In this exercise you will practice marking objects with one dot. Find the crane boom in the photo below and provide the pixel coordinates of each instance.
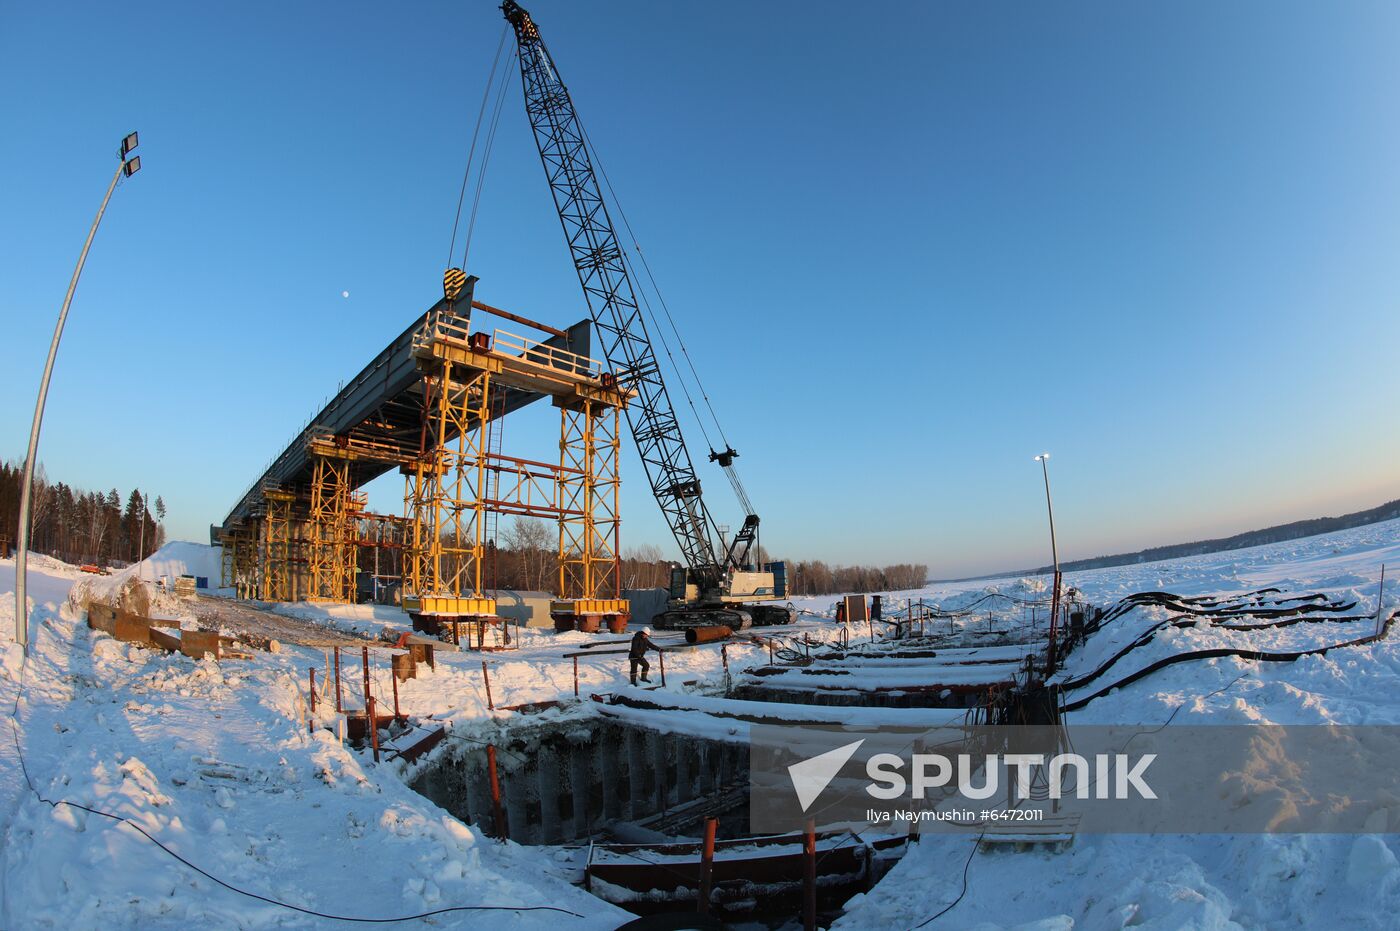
(602, 271)
(717, 586)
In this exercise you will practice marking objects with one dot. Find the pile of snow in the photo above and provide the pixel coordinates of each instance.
(178, 558)
(133, 588)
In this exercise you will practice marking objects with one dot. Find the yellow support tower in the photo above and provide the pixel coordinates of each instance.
(244, 567)
(226, 559)
(444, 491)
(589, 525)
(447, 495)
(331, 549)
(605, 506)
(277, 546)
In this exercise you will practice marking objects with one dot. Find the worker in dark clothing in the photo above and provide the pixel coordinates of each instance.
(638, 654)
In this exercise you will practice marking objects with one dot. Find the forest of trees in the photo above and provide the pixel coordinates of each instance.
(526, 559)
(814, 577)
(81, 526)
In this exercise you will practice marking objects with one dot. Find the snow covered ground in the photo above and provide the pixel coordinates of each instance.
(214, 761)
(1209, 881)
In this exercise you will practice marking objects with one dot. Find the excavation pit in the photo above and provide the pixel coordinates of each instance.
(627, 807)
(561, 782)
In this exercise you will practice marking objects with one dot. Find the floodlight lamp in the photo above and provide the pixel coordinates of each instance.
(129, 143)
(132, 167)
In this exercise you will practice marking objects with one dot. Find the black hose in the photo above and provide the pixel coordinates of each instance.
(1266, 656)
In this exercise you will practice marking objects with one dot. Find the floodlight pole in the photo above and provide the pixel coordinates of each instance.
(1050, 657)
(1050, 509)
(27, 483)
(141, 546)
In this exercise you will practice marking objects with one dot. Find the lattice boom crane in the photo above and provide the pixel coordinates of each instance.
(718, 585)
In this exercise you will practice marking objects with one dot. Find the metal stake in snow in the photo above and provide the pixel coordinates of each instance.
(809, 876)
(707, 866)
(127, 167)
(1380, 601)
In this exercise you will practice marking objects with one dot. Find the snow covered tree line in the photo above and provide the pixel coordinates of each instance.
(81, 526)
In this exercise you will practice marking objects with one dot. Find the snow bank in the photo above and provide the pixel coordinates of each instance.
(1209, 881)
(215, 762)
(179, 558)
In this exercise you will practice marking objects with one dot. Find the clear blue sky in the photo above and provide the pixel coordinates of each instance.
(910, 246)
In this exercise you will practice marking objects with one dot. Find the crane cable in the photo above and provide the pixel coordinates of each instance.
(726, 458)
(666, 347)
(646, 266)
(471, 152)
(644, 303)
(485, 161)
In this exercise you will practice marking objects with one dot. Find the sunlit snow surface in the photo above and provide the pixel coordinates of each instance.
(210, 759)
(213, 760)
(1201, 882)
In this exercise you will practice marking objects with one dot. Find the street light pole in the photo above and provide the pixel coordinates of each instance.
(1050, 509)
(1050, 649)
(141, 545)
(129, 168)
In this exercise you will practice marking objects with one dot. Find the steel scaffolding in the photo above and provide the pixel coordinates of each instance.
(238, 566)
(331, 550)
(444, 496)
(432, 405)
(456, 481)
(226, 553)
(276, 548)
(589, 524)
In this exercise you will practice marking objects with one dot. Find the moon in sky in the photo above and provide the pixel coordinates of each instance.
(344, 293)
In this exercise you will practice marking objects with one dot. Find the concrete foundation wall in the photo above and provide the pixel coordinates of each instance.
(646, 604)
(531, 609)
(566, 783)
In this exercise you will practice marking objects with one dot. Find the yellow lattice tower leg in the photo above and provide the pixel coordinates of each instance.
(245, 563)
(464, 409)
(319, 554)
(572, 497)
(587, 493)
(226, 546)
(331, 553)
(604, 514)
(350, 545)
(444, 488)
(277, 547)
(416, 517)
(343, 528)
